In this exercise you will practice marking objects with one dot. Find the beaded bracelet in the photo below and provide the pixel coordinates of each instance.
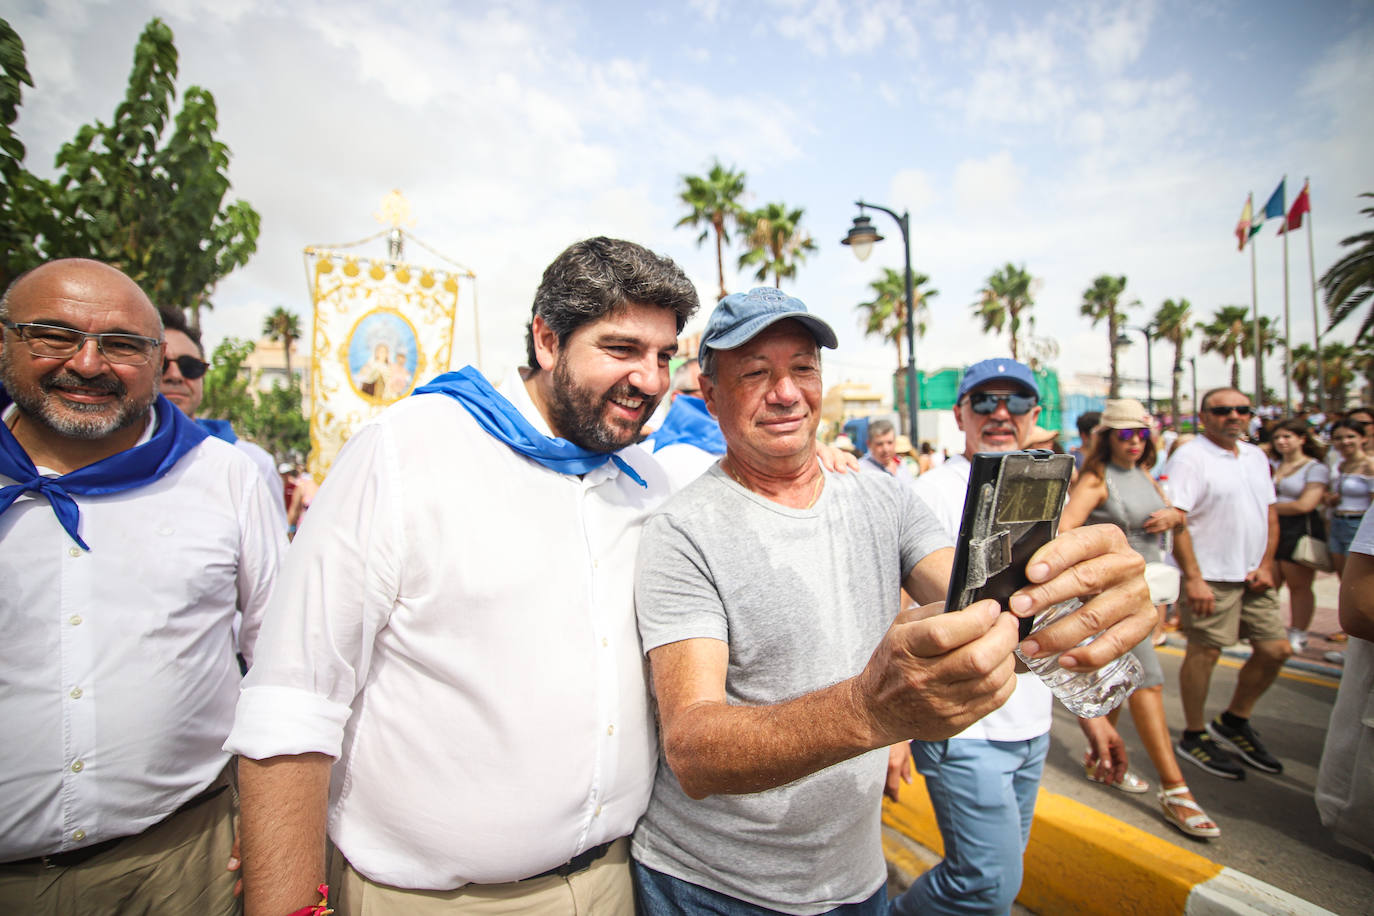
(319, 909)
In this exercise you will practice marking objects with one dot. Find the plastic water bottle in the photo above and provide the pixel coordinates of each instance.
(1086, 694)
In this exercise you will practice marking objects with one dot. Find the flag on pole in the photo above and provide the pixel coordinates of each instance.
(1277, 203)
(1300, 206)
(1244, 229)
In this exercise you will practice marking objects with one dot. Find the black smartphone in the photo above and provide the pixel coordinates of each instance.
(1011, 510)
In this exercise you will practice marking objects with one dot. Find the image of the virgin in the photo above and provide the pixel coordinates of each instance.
(381, 356)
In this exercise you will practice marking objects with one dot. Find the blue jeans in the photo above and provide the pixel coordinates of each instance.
(983, 793)
(1343, 528)
(658, 894)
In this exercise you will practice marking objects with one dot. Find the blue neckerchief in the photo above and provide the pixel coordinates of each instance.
(500, 418)
(220, 429)
(134, 467)
(689, 422)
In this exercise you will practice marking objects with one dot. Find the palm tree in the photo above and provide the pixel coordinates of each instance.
(1364, 364)
(1103, 300)
(715, 205)
(1349, 282)
(885, 316)
(1223, 336)
(1338, 366)
(1269, 338)
(776, 242)
(283, 327)
(1174, 322)
(1006, 295)
(1303, 363)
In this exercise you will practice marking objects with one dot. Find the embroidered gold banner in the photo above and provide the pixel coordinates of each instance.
(380, 329)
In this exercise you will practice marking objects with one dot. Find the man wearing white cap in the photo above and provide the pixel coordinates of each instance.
(762, 591)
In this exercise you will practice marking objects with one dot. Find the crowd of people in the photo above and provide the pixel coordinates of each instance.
(518, 658)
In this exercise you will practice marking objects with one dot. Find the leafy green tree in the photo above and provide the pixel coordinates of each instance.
(227, 394)
(1223, 335)
(715, 205)
(885, 316)
(1349, 283)
(271, 418)
(1174, 322)
(283, 327)
(1102, 302)
(776, 242)
(154, 209)
(1005, 297)
(1364, 364)
(16, 194)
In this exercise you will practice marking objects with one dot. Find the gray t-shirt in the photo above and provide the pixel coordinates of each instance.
(802, 596)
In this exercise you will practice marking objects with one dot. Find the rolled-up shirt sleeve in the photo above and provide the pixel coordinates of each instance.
(336, 591)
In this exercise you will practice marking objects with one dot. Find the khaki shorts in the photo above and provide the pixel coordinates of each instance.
(1240, 614)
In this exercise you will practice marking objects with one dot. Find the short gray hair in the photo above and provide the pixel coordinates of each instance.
(880, 428)
(595, 277)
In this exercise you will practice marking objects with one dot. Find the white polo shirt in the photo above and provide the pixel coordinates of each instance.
(1226, 495)
(455, 625)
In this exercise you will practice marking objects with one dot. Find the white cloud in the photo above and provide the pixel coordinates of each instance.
(1117, 41)
(990, 184)
(911, 189)
(850, 26)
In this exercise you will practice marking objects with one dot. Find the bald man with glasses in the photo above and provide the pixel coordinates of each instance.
(1222, 486)
(130, 542)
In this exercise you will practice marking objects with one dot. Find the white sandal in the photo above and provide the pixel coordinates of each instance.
(1175, 810)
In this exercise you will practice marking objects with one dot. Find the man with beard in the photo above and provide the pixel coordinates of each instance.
(450, 674)
(183, 383)
(128, 542)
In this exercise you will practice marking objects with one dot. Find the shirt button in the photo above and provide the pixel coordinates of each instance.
(75, 620)
(605, 642)
(74, 551)
(598, 811)
(610, 729)
(78, 766)
(79, 835)
(76, 693)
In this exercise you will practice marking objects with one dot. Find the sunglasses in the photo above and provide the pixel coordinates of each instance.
(1126, 435)
(1243, 410)
(190, 367)
(985, 402)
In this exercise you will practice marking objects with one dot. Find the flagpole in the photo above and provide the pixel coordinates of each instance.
(1255, 329)
(1287, 333)
(1316, 325)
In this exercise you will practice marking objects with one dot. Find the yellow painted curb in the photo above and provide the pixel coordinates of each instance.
(1078, 860)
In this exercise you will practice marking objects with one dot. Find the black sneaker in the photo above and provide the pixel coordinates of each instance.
(1203, 751)
(1245, 742)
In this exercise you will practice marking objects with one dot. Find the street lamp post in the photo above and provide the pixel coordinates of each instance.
(861, 238)
(1123, 340)
(1192, 364)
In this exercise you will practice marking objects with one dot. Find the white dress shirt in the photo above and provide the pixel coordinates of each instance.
(267, 468)
(1029, 711)
(118, 679)
(1226, 495)
(455, 624)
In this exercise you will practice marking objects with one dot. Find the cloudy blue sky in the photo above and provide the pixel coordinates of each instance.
(1075, 138)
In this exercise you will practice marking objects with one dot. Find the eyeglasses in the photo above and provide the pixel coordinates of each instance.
(985, 402)
(190, 367)
(1242, 409)
(63, 343)
(1126, 435)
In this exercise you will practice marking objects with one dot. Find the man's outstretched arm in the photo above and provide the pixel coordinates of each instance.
(284, 802)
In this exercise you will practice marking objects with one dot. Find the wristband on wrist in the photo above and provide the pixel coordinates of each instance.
(319, 909)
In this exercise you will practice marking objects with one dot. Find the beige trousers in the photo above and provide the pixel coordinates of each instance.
(604, 889)
(175, 867)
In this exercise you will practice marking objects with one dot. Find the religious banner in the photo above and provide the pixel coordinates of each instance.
(381, 328)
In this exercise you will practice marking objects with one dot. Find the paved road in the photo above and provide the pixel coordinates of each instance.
(1270, 828)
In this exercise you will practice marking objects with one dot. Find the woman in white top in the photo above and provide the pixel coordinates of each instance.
(1300, 481)
(1350, 487)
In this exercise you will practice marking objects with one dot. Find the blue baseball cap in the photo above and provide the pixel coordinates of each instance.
(991, 370)
(739, 317)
